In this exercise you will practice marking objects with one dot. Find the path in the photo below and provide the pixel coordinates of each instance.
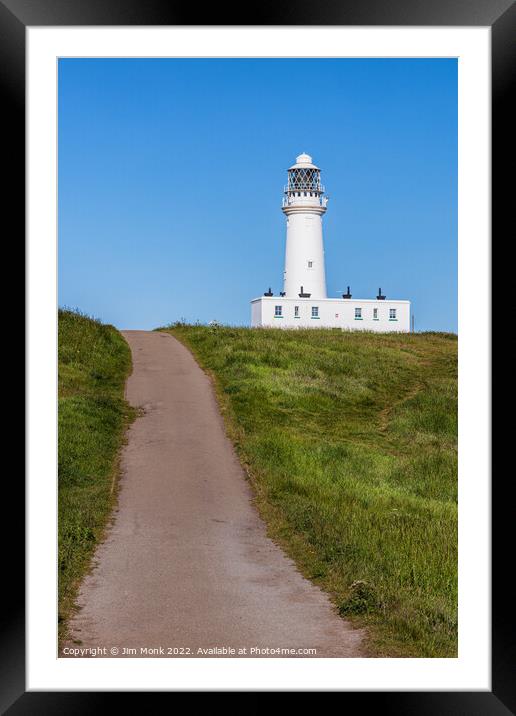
(187, 563)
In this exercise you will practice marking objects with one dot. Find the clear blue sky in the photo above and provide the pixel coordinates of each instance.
(171, 175)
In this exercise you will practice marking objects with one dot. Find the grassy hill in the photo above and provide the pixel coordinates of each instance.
(350, 441)
(93, 363)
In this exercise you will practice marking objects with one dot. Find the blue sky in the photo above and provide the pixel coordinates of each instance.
(171, 175)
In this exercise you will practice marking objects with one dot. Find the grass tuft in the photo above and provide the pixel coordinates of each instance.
(362, 598)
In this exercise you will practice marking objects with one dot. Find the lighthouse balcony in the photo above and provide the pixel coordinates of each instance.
(305, 200)
(304, 189)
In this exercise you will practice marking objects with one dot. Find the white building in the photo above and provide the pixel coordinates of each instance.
(303, 303)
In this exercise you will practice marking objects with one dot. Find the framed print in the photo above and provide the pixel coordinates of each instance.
(213, 504)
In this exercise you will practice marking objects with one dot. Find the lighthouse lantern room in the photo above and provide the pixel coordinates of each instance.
(304, 301)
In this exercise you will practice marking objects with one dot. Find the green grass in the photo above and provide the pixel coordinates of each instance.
(350, 441)
(94, 361)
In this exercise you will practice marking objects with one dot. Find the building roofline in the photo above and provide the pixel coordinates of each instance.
(333, 300)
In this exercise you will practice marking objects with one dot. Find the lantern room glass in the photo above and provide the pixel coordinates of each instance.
(304, 179)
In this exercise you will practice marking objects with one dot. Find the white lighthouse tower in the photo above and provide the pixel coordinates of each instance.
(304, 303)
(304, 206)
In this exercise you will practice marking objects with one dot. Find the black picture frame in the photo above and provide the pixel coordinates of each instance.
(500, 15)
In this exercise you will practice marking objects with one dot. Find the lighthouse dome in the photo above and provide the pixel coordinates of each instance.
(304, 161)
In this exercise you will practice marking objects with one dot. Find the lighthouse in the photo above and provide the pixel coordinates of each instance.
(304, 302)
(304, 205)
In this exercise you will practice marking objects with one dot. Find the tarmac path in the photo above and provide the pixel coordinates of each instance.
(187, 564)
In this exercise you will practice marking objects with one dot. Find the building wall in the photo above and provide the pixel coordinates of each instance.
(256, 313)
(332, 313)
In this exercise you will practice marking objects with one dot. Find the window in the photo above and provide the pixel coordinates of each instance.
(277, 312)
(375, 314)
(392, 314)
(310, 264)
(315, 311)
(296, 311)
(358, 314)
